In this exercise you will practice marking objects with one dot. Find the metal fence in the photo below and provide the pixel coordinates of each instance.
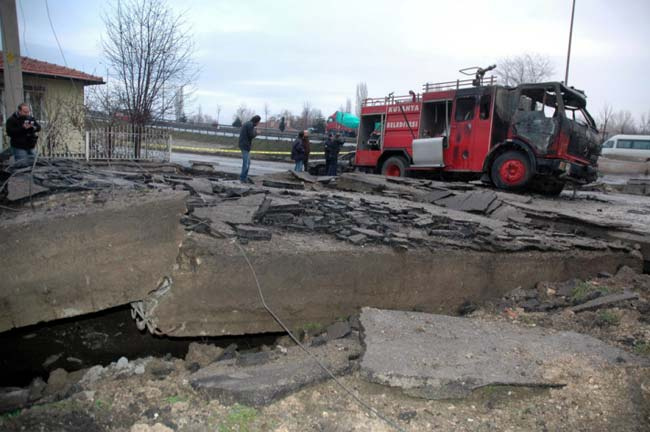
(110, 142)
(128, 142)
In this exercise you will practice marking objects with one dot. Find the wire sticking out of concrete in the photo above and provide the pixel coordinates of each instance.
(322, 366)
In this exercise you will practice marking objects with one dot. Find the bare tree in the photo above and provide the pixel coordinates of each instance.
(623, 122)
(198, 117)
(348, 105)
(644, 123)
(524, 68)
(266, 112)
(148, 48)
(306, 115)
(106, 100)
(604, 120)
(243, 113)
(362, 93)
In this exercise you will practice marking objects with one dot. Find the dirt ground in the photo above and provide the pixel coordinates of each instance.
(154, 394)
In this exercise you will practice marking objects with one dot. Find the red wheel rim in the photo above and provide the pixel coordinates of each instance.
(512, 171)
(393, 171)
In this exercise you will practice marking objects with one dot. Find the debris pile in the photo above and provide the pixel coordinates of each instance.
(614, 308)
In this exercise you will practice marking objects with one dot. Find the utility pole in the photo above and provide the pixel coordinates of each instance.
(568, 55)
(13, 73)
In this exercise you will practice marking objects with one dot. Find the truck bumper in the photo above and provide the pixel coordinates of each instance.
(567, 170)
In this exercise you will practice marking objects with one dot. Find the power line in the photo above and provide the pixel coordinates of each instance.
(22, 16)
(47, 8)
(322, 366)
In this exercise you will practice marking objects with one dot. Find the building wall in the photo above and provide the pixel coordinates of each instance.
(58, 106)
(63, 114)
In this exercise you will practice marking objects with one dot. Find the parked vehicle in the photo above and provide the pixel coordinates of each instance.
(345, 164)
(627, 147)
(531, 136)
(344, 123)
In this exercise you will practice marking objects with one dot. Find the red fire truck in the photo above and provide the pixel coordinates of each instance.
(536, 136)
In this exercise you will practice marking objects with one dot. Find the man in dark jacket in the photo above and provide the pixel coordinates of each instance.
(333, 155)
(298, 152)
(307, 145)
(246, 135)
(327, 145)
(23, 130)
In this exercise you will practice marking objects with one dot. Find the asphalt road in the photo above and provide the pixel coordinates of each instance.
(232, 164)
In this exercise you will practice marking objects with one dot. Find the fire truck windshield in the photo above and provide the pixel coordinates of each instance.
(575, 107)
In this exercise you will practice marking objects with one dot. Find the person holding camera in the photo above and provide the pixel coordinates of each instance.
(23, 130)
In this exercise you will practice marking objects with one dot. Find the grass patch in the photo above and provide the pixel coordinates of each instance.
(11, 414)
(239, 419)
(233, 142)
(311, 327)
(607, 317)
(642, 348)
(102, 405)
(175, 399)
(584, 289)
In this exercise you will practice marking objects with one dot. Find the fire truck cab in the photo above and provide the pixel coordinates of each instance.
(531, 136)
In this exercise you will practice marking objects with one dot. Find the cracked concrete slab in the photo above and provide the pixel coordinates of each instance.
(439, 357)
(73, 256)
(261, 384)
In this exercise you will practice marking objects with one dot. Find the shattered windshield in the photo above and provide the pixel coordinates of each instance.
(575, 108)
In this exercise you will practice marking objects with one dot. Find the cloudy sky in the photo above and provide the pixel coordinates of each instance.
(286, 52)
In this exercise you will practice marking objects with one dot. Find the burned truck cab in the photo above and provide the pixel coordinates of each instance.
(550, 123)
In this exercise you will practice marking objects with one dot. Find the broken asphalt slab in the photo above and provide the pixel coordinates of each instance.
(261, 384)
(238, 211)
(605, 301)
(22, 186)
(440, 357)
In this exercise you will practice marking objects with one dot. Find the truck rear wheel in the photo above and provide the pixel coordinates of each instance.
(511, 170)
(394, 166)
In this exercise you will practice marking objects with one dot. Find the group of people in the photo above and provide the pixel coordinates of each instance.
(300, 149)
(22, 129)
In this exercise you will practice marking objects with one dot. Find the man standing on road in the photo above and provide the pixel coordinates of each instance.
(22, 128)
(246, 135)
(327, 145)
(307, 145)
(333, 155)
(298, 152)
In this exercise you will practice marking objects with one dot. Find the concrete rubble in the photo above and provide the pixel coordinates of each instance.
(365, 240)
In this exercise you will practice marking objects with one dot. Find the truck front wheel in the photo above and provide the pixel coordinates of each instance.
(511, 171)
(394, 166)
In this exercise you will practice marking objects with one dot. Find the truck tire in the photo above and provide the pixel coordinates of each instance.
(511, 171)
(394, 166)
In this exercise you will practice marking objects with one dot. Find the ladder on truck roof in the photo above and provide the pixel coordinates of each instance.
(427, 88)
(455, 85)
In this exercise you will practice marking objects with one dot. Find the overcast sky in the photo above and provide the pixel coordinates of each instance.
(286, 52)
